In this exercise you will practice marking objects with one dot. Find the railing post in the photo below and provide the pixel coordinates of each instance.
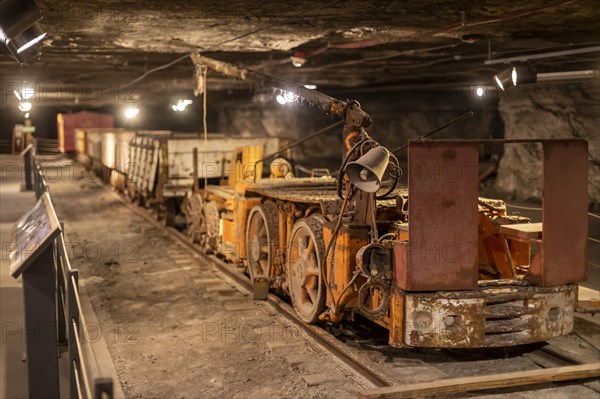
(36, 180)
(27, 163)
(61, 291)
(73, 314)
(40, 312)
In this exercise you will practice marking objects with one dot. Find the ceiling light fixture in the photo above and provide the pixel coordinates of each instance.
(280, 99)
(20, 30)
(131, 112)
(523, 73)
(310, 87)
(298, 58)
(504, 78)
(289, 96)
(181, 105)
(25, 106)
(480, 91)
(30, 37)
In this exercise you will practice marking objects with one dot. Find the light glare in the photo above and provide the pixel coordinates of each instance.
(280, 99)
(25, 106)
(181, 105)
(480, 91)
(131, 112)
(31, 43)
(499, 83)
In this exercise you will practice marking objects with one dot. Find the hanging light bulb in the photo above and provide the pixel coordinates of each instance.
(25, 106)
(280, 99)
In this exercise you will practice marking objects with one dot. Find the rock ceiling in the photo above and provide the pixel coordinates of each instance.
(95, 47)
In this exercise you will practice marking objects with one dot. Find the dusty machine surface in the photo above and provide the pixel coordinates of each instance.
(434, 263)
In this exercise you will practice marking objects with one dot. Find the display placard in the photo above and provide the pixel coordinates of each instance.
(32, 234)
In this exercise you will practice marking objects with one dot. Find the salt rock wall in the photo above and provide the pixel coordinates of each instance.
(547, 111)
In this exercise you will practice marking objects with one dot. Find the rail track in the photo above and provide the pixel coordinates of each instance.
(361, 365)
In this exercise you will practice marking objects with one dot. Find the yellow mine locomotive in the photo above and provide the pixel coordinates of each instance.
(434, 263)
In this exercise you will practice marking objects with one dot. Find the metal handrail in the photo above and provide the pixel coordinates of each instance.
(70, 313)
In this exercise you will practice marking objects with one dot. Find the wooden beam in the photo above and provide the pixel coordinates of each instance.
(485, 382)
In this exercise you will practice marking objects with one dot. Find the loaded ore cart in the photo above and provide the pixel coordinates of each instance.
(434, 263)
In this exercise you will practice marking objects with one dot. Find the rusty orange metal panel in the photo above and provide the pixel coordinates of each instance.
(564, 215)
(443, 189)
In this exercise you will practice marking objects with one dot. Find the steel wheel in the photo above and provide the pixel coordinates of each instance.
(194, 217)
(306, 251)
(261, 235)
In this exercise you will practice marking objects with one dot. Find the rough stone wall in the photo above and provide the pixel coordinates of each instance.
(397, 116)
(547, 111)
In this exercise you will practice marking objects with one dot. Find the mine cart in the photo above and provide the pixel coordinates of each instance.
(166, 167)
(106, 151)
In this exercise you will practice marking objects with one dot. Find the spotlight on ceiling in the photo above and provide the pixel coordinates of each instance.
(32, 36)
(519, 73)
(480, 91)
(503, 79)
(20, 30)
(523, 73)
(131, 112)
(298, 58)
(310, 87)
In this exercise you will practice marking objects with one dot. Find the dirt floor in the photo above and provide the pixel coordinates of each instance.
(175, 329)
